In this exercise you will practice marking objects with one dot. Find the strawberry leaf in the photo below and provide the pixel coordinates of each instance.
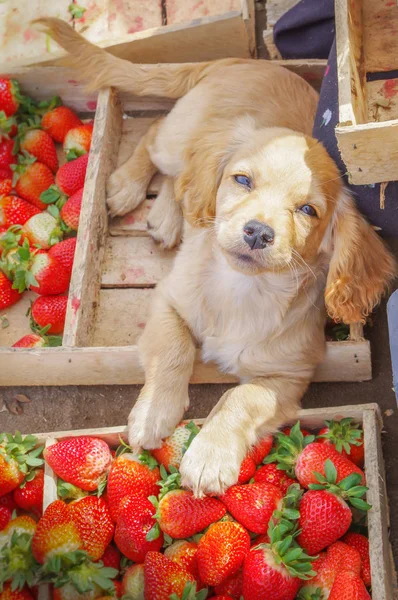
(330, 472)
(360, 504)
(76, 11)
(153, 533)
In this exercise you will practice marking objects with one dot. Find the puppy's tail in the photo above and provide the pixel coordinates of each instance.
(101, 69)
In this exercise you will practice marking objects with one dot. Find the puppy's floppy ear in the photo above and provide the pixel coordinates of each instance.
(210, 149)
(361, 268)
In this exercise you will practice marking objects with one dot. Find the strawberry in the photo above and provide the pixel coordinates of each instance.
(349, 586)
(163, 578)
(82, 461)
(8, 125)
(70, 212)
(111, 558)
(223, 597)
(247, 469)
(40, 145)
(15, 211)
(41, 273)
(5, 517)
(135, 520)
(50, 310)
(10, 96)
(9, 594)
(70, 177)
(232, 586)
(261, 449)
(64, 252)
(7, 157)
(346, 437)
(59, 121)
(8, 296)
(252, 505)
(18, 566)
(33, 180)
(338, 557)
(271, 474)
(361, 543)
(17, 455)
(324, 513)
(31, 340)
(94, 524)
(133, 582)
(78, 141)
(183, 553)
(221, 551)
(127, 477)
(56, 533)
(29, 495)
(42, 230)
(173, 447)
(5, 187)
(287, 430)
(8, 501)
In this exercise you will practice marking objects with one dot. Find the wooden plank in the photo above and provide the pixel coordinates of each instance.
(382, 100)
(85, 282)
(356, 332)
(134, 223)
(275, 10)
(121, 316)
(132, 131)
(312, 70)
(134, 262)
(18, 322)
(183, 12)
(380, 31)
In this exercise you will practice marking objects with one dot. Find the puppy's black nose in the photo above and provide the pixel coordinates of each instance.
(258, 235)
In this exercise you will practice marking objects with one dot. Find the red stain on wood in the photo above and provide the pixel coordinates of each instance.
(75, 304)
(141, 325)
(390, 88)
(29, 35)
(92, 105)
(130, 219)
(73, 82)
(138, 25)
(135, 273)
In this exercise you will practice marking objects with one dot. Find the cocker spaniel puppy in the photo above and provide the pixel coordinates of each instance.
(270, 238)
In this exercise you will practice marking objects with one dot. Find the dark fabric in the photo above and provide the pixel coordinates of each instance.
(307, 30)
(392, 313)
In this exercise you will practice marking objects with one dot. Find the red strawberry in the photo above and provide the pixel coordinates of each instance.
(8, 296)
(30, 341)
(39, 144)
(29, 496)
(78, 141)
(18, 565)
(163, 577)
(361, 543)
(180, 515)
(111, 558)
(7, 157)
(183, 553)
(173, 447)
(94, 524)
(349, 586)
(5, 186)
(56, 533)
(287, 430)
(70, 177)
(42, 230)
(15, 211)
(64, 252)
(9, 594)
(252, 505)
(271, 474)
(5, 517)
(346, 437)
(33, 180)
(128, 477)
(136, 519)
(221, 551)
(8, 125)
(43, 274)
(133, 582)
(265, 578)
(82, 461)
(70, 212)
(223, 597)
(10, 96)
(23, 524)
(8, 501)
(232, 586)
(17, 453)
(59, 121)
(247, 469)
(261, 449)
(50, 310)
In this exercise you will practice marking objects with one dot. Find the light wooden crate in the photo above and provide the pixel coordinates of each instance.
(130, 29)
(116, 268)
(368, 111)
(368, 415)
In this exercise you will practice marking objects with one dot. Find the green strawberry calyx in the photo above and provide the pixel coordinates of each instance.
(194, 430)
(68, 491)
(19, 270)
(343, 434)
(6, 124)
(17, 563)
(23, 449)
(53, 195)
(190, 593)
(168, 483)
(77, 569)
(348, 488)
(306, 594)
(288, 448)
(11, 238)
(24, 161)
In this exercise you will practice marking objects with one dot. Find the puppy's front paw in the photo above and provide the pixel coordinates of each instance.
(123, 194)
(165, 226)
(209, 466)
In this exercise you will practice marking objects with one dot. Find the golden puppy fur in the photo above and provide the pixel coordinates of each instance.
(259, 314)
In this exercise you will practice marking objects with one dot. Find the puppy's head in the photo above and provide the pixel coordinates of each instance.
(276, 201)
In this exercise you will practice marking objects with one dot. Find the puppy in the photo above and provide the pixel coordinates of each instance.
(270, 237)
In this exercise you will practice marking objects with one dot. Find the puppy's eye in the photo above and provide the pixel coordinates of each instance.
(243, 180)
(309, 210)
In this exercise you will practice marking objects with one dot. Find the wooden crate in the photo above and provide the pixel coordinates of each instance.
(116, 267)
(368, 415)
(367, 43)
(130, 29)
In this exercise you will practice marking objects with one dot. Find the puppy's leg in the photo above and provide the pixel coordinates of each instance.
(165, 219)
(127, 186)
(242, 416)
(167, 352)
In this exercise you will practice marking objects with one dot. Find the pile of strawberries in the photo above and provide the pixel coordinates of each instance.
(39, 205)
(291, 528)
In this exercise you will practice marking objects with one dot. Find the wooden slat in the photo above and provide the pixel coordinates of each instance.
(134, 223)
(86, 275)
(312, 70)
(382, 100)
(134, 262)
(380, 26)
(18, 322)
(275, 10)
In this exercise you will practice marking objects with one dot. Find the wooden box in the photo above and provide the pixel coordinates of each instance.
(117, 266)
(367, 47)
(368, 415)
